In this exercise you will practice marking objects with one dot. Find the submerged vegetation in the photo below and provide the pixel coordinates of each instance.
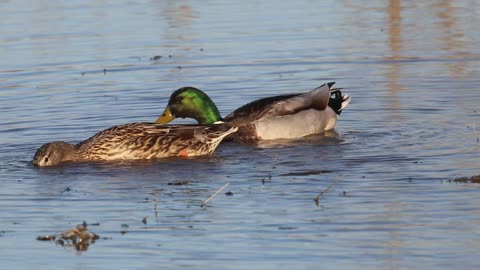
(471, 179)
(79, 238)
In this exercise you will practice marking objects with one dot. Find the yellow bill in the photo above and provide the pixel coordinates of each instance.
(166, 117)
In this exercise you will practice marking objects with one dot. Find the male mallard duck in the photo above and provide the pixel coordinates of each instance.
(286, 116)
(137, 141)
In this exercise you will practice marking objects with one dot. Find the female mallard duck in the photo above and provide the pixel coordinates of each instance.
(278, 117)
(137, 141)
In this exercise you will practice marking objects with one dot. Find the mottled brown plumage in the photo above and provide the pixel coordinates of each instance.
(137, 141)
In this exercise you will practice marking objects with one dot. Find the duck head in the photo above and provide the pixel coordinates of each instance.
(51, 154)
(190, 102)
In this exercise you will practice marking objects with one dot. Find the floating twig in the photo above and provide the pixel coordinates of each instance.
(155, 208)
(317, 199)
(213, 195)
(476, 133)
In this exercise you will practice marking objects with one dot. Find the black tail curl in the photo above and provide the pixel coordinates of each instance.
(336, 100)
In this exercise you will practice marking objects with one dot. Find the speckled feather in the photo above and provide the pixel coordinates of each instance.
(140, 141)
(147, 140)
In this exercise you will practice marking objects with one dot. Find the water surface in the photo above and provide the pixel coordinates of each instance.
(70, 69)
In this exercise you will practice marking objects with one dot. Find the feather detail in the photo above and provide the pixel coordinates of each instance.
(277, 117)
(289, 116)
(138, 141)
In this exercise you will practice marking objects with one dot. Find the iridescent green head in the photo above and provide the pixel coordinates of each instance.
(190, 102)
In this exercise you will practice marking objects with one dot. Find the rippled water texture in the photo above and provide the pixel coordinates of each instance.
(71, 68)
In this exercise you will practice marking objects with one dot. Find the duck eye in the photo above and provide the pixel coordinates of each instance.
(178, 99)
(46, 159)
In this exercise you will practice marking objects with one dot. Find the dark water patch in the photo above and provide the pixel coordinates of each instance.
(308, 172)
(5, 232)
(286, 228)
(178, 183)
(380, 158)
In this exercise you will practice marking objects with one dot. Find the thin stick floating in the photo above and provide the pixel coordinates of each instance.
(476, 133)
(317, 199)
(213, 195)
(155, 208)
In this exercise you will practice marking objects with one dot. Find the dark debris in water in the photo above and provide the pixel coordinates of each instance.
(178, 183)
(472, 179)
(3, 232)
(79, 238)
(269, 178)
(229, 193)
(156, 57)
(286, 228)
(46, 237)
(124, 229)
(317, 199)
(304, 173)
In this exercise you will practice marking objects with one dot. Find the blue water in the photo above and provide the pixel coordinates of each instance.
(71, 68)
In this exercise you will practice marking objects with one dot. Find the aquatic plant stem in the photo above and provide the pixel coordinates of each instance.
(476, 133)
(213, 195)
(155, 208)
(317, 199)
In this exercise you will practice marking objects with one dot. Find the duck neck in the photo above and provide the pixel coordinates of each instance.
(68, 151)
(209, 113)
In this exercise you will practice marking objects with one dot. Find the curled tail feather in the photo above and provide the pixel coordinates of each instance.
(338, 101)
